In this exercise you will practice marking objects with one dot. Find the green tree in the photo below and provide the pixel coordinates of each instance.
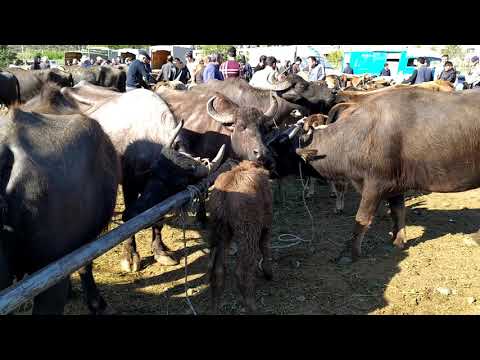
(219, 49)
(335, 58)
(6, 56)
(456, 55)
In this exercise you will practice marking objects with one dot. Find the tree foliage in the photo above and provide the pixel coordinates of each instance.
(335, 58)
(219, 49)
(7, 56)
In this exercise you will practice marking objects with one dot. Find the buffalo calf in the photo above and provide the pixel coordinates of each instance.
(240, 209)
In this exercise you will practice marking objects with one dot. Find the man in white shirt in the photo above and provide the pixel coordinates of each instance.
(264, 78)
(191, 65)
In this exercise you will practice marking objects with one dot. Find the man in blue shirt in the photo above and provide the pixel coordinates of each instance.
(212, 69)
(137, 75)
(421, 74)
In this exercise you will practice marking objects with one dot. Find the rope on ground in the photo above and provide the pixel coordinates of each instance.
(195, 193)
(291, 238)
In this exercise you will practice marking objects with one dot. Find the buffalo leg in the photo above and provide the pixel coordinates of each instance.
(130, 259)
(95, 302)
(339, 189)
(397, 212)
(52, 301)
(202, 212)
(365, 213)
(311, 188)
(217, 267)
(266, 250)
(160, 251)
(245, 267)
(333, 189)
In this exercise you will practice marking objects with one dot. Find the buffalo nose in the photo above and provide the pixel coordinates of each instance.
(257, 154)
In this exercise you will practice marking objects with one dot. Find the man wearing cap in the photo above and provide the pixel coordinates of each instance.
(148, 68)
(230, 68)
(473, 77)
(137, 75)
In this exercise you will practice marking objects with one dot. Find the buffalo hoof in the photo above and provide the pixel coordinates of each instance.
(131, 264)
(338, 211)
(164, 259)
(333, 195)
(97, 305)
(108, 311)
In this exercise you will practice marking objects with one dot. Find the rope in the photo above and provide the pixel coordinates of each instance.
(195, 193)
(291, 238)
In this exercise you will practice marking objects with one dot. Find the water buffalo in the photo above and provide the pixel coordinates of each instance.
(211, 120)
(9, 88)
(31, 81)
(395, 142)
(140, 126)
(58, 186)
(277, 100)
(106, 76)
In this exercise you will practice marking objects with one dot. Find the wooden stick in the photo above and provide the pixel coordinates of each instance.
(51, 274)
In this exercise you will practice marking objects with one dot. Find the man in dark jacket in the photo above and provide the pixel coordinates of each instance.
(347, 69)
(448, 73)
(137, 75)
(181, 74)
(421, 74)
(385, 71)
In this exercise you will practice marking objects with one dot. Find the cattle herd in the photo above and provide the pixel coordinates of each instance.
(70, 137)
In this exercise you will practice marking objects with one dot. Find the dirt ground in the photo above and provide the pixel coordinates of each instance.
(440, 253)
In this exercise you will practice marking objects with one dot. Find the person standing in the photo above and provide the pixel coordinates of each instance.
(212, 69)
(448, 73)
(261, 64)
(167, 73)
(191, 65)
(421, 74)
(385, 71)
(197, 77)
(137, 76)
(181, 74)
(439, 69)
(296, 66)
(316, 70)
(246, 71)
(347, 69)
(230, 68)
(473, 77)
(267, 76)
(36, 63)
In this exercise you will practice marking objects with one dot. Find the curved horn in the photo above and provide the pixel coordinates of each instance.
(204, 170)
(284, 85)
(272, 110)
(307, 136)
(221, 118)
(175, 134)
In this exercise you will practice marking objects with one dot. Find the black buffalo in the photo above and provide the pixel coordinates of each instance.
(32, 81)
(105, 76)
(58, 185)
(9, 88)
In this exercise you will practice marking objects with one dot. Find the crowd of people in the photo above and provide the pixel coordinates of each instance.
(423, 72)
(215, 66)
(268, 69)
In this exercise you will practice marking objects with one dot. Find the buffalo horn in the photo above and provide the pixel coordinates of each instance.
(220, 117)
(175, 134)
